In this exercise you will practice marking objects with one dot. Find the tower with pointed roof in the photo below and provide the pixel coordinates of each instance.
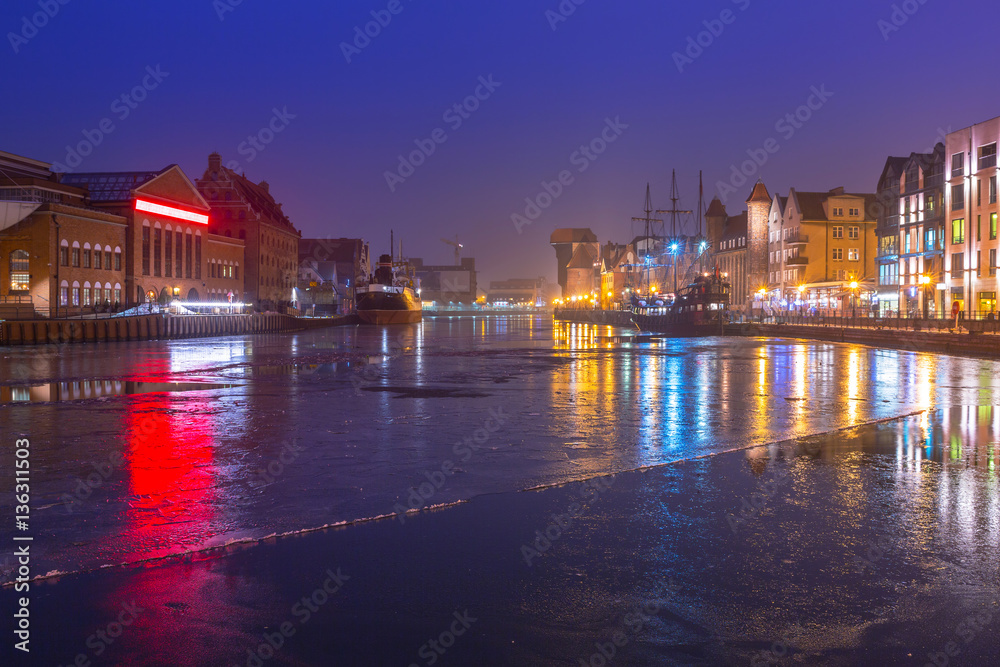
(758, 210)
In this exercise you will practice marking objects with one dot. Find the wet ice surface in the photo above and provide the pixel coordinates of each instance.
(875, 545)
(345, 424)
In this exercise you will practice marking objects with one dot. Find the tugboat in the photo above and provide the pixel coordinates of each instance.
(390, 297)
(700, 309)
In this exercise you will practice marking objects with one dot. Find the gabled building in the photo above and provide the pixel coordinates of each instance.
(621, 270)
(825, 242)
(244, 210)
(887, 232)
(971, 219)
(169, 252)
(329, 271)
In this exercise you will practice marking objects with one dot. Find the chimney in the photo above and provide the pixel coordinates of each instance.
(214, 161)
(837, 191)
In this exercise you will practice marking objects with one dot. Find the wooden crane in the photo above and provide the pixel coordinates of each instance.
(458, 249)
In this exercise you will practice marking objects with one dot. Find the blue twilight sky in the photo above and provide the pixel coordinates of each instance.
(226, 66)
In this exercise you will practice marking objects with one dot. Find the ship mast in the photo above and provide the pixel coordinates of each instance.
(649, 220)
(673, 211)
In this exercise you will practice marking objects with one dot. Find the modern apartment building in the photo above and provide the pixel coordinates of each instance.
(970, 207)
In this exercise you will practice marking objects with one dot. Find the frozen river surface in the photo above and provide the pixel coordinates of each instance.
(145, 449)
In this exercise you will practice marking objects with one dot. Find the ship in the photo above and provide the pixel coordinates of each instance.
(391, 296)
(700, 309)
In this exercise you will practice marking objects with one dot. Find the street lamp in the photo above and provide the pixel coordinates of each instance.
(854, 298)
(925, 282)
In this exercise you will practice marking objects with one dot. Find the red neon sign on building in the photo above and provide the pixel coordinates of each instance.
(170, 212)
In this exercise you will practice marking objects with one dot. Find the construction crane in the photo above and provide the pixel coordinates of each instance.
(458, 249)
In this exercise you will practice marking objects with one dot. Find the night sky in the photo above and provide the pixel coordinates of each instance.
(226, 66)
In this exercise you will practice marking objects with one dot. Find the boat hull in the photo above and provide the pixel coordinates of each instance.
(381, 317)
(389, 308)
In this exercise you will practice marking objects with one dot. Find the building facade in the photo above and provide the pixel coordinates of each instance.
(244, 210)
(447, 284)
(970, 209)
(169, 252)
(565, 242)
(517, 293)
(821, 252)
(329, 271)
(58, 255)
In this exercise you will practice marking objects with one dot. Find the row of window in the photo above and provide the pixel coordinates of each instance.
(853, 255)
(168, 246)
(87, 258)
(789, 275)
(223, 271)
(986, 159)
(837, 232)
(838, 211)
(733, 243)
(958, 229)
(958, 193)
(76, 295)
(958, 263)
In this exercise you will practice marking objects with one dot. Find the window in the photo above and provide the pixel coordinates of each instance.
(993, 189)
(853, 232)
(211, 269)
(993, 261)
(853, 255)
(107, 258)
(929, 239)
(979, 228)
(118, 260)
(180, 252)
(993, 226)
(118, 295)
(187, 255)
(168, 254)
(236, 271)
(838, 211)
(957, 165)
(930, 203)
(19, 274)
(979, 263)
(98, 259)
(63, 296)
(197, 256)
(979, 192)
(957, 263)
(988, 156)
(957, 197)
(157, 251)
(838, 232)
(86, 294)
(838, 254)
(64, 256)
(855, 211)
(76, 295)
(76, 257)
(145, 250)
(958, 230)
(86, 257)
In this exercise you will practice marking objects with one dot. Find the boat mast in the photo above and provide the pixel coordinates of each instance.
(649, 220)
(674, 240)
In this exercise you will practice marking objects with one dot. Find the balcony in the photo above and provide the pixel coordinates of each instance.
(797, 261)
(797, 239)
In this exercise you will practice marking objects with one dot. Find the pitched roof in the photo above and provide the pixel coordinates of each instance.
(895, 164)
(582, 258)
(715, 209)
(259, 198)
(736, 227)
(329, 250)
(759, 193)
(111, 186)
(810, 204)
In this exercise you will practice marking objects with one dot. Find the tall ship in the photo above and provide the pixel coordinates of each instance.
(391, 296)
(700, 309)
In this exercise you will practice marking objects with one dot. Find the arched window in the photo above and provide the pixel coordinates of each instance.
(64, 254)
(19, 274)
(64, 293)
(75, 257)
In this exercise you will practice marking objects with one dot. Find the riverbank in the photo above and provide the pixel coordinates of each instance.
(151, 327)
(975, 343)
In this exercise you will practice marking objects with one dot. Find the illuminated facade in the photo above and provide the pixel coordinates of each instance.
(244, 210)
(565, 242)
(970, 209)
(819, 245)
(169, 252)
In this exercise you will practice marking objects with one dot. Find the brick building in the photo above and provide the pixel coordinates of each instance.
(244, 210)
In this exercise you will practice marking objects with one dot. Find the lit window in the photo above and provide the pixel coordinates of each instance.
(19, 261)
(958, 230)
